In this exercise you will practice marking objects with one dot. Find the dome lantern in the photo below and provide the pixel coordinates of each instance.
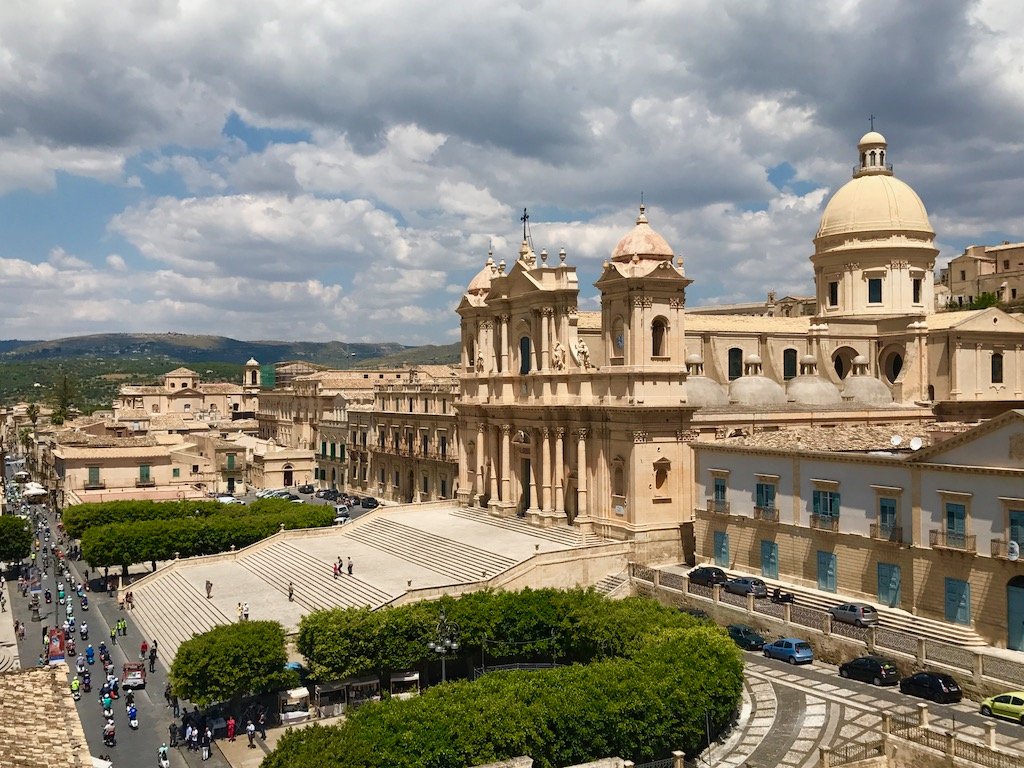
(872, 147)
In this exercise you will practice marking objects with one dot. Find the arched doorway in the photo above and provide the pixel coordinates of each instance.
(1015, 613)
(289, 476)
(891, 363)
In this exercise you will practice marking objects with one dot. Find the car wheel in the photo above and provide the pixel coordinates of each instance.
(767, 655)
(859, 624)
(986, 711)
(876, 681)
(792, 659)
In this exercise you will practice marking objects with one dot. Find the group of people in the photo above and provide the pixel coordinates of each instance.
(243, 611)
(339, 569)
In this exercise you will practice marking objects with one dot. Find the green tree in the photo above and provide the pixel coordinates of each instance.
(15, 538)
(65, 390)
(230, 662)
(32, 412)
(984, 301)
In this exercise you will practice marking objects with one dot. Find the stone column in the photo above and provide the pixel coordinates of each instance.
(504, 320)
(478, 467)
(487, 344)
(506, 457)
(559, 471)
(978, 368)
(546, 314)
(545, 469)
(534, 473)
(492, 462)
(1018, 363)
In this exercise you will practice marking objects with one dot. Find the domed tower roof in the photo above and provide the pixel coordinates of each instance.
(874, 200)
(252, 361)
(863, 388)
(481, 284)
(642, 242)
(811, 389)
(752, 389)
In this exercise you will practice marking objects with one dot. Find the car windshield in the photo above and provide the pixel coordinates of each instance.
(868, 609)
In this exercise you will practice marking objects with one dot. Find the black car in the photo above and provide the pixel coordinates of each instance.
(745, 637)
(934, 686)
(307, 488)
(330, 494)
(876, 670)
(708, 576)
(369, 502)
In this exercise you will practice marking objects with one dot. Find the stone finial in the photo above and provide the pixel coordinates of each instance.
(561, 255)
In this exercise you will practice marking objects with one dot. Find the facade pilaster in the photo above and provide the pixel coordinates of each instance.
(506, 451)
(492, 462)
(546, 314)
(478, 485)
(504, 320)
(559, 471)
(545, 469)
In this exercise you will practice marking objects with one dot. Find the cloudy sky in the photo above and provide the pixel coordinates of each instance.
(326, 169)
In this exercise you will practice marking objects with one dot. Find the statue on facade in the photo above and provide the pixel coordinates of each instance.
(582, 354)
(558, 357)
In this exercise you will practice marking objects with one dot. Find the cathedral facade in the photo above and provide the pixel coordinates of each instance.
(587, 418)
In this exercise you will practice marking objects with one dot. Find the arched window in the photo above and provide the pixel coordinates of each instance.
(254, 377)
(472, 353)
(525, 351)
(618, 338)
(659, 332)
(735, 363)
(997, 368)
(789, 364)
(618, 478)
(661, 472)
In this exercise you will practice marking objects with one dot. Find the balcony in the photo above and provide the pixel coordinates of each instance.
(1001, 549)
(718, 506)
(766, 514)
(959, 542)
(881, 532)
(825, 522)
(98, 485)
(145, 483)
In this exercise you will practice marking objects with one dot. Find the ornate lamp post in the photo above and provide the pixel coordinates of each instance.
(446, 640)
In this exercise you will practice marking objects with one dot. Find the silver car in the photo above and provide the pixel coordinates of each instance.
(858, 614)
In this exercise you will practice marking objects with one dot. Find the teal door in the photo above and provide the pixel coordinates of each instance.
(827, 571)
(1015, 613)
(769, 559)
(889, 584)
(722, 549)
(958, 601)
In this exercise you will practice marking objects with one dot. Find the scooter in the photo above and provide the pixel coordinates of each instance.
(162, 760)
(86, 681)
(84, 631)
(133, 718)
(49, 596)
(80, 664)
(90, 655)
(84, 602)
(109, 734)
(76, 692)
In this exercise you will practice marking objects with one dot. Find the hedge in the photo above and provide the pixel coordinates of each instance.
(638, 707)
(78, 518)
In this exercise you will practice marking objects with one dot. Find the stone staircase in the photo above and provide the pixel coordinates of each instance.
(565, 535)
(611, 582)
(6, 662)
(282, 562)
(452, 559)
(170, 609)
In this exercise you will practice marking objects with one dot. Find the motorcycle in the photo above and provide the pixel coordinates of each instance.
(109, 734)
(133, 718)
(86, 681)
(80, 664)
(76, 692)
(84, 602)
(90, 655)
(779, 597)
(84, 631)
(162, 760)
(49, 596)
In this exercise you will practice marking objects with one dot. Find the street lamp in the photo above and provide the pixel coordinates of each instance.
(446, 640)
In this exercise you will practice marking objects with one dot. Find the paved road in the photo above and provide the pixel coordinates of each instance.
(135, 749)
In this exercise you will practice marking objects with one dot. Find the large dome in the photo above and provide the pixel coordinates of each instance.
(874, 203)
(643, 242)
(481, 284)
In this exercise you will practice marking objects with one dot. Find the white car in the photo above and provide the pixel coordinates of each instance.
(229, 500)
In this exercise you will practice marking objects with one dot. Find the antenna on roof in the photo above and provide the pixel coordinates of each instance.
(916, 443)
(895, 440)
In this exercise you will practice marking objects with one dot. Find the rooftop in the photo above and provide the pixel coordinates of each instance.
(45, 731)
(844, 438)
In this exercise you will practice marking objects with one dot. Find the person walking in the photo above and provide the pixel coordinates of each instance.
(175, 709)
(337, 569)
(231, 727)
(172, 734)
(291, 592)
(152, 659)
(245, 611)
(113, 636)
(261, 723)
(350, 566)
(143, 650)
(250, 731)
(167, 695)
(204, 743)
(238, 610)
(209, 589)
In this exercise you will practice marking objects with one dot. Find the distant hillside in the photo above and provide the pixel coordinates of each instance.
(187, 348)
(425, 355)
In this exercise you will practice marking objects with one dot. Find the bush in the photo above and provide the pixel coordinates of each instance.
(81, 517)
(15, 538)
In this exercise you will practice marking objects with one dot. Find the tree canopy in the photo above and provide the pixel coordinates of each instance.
(15, 538)
(231, 661)
(639, 706)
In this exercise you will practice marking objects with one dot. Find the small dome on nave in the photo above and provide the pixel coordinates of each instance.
(481, 284)
(811, 389)
(702, 391)
(753, 389)
(861, 387)
(642, 242)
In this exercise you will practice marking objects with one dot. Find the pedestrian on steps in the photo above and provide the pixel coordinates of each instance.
(291, 592)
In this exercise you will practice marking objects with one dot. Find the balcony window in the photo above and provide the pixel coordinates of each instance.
(766, 495)
(956, 525)
(875, 290)
(230, 462)
(144, 473)
(94, 476)
(825, 503)
(958, 601)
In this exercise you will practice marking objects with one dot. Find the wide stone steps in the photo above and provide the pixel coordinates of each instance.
(283, 562)
(610, 583)
(452, 559)
(564, 535)
(171, 610)
(6, 662)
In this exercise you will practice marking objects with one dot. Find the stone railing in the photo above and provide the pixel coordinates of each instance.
(893, 533)
(961, 542)
(766, 514)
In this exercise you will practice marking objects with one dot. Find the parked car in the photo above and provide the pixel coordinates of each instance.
(1009, 705)
(935, 686)
(229, 500)
(747, 585)
(791, 649)
(306, 488)
(858, 614)
(267, 492)
(745, 637)
(330, 495)
(341, 513)
(876, 670)
(707, 576)
(284, 493)
(369, 502)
